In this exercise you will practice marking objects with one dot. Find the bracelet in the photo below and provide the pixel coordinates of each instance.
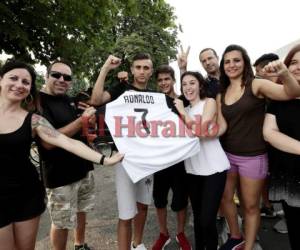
(102, 160)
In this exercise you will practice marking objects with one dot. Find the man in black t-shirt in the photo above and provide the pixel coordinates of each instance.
(68, 179)
(133, 198)
(210, 62)
(267, 209)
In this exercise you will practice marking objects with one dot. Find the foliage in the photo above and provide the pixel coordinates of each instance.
(85, 32)
(39, 81)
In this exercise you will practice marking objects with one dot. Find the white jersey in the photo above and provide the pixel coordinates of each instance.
(151, 136)
(211, 158)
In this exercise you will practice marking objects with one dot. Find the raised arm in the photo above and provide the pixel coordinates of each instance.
(99, 96)
(277, 139)
(182, 59)
(208, 123)
(183, 114)
(48, 134)
(289, 90)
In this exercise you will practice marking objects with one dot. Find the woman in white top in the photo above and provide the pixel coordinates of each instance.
(206, 170)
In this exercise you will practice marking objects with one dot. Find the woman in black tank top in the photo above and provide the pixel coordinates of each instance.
(241, 114)
(281, 130)
(21, 191)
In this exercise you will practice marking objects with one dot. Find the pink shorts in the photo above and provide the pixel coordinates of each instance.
(254, 167)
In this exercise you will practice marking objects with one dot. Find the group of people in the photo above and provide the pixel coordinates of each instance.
(250, 111)
(244, 103)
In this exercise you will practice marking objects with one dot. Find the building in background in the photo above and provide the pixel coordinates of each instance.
(282, 52)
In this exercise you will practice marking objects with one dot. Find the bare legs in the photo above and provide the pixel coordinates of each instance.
(125, 228)
(59, 236)
(162, 220)
(250, 191)
(19, 235)
(228, 206)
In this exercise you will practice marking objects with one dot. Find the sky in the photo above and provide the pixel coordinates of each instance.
(260, 26)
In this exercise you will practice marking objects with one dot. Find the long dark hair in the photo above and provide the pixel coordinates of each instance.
(200, 79)
(11, 64)
(248, 74)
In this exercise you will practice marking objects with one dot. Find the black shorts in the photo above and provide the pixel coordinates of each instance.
(22, 206)
(173, 178)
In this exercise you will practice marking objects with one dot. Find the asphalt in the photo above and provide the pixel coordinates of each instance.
(102, 223)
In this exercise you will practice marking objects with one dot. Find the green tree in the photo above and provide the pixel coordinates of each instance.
(39, 81)
(85, 32)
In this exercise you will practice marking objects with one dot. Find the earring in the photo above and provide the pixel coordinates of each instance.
(26, 101)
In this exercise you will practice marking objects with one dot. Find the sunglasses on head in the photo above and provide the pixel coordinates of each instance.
(58, 75)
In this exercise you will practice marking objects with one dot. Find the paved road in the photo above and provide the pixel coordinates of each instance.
(101, 227)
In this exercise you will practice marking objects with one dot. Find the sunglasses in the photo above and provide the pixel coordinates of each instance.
(58, 75)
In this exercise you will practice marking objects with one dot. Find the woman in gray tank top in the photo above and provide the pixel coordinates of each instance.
(241, 107)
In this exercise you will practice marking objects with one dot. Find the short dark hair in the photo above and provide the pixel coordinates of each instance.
(165, 69)
(200, 79)
(265, 59)
(206, 49)
(141, 56)
(11, 64)
(63, 61)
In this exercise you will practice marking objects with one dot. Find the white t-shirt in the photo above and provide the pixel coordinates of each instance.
(150, 148)
(211, 158)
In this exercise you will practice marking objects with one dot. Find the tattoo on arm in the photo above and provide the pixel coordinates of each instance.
(45, 126)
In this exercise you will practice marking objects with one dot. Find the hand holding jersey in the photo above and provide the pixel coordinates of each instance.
(179, 106)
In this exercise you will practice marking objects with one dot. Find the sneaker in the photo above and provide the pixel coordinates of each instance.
(280, 227)
(241, 247)
(183, 242)
(233, 244)
(139, 247)
(267, 212)
(161, 242)
(82, 247)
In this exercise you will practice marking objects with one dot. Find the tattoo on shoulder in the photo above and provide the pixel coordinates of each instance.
(46, 127)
